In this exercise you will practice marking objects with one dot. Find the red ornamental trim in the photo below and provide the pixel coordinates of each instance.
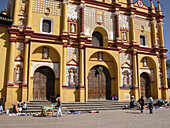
(64, 86)
(101, 61)
(9, 84)
(45, 61)
(45, 36)
(13, 31)
(24, 85)
(81, 86)
(72, 64)
(102, 4)
(44, 41)
(105, 48)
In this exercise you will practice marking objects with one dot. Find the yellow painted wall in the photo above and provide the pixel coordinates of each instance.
(4, 46)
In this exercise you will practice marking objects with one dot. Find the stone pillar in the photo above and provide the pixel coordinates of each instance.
(135, 76)
(153, 32)
(10, 83)
(25, 73)
(132, 29)
(64, 66)
(16, 11)
(117, 24)
(164, 79)
(81, 75)
(65, 25)
(82, 6)
(161, 36)
(29, 14)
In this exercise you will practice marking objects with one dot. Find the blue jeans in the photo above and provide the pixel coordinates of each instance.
(1, 108)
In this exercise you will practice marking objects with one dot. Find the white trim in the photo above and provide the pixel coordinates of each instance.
(41, 24)
(146, 42)
(54, 66)
(147, 71)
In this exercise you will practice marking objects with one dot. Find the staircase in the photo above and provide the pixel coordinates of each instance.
(35, 106)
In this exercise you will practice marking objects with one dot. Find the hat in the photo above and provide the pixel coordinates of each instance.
(59, 98)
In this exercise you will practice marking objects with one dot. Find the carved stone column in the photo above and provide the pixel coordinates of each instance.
(82, 6)
(132, 29)
(65, 25)
(117, 24)
(153, 32)
(16, 11)
(29, 14)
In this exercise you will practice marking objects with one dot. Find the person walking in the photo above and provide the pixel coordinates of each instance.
(141, 102)
(59, 107)
(150, 101)
(1, 103)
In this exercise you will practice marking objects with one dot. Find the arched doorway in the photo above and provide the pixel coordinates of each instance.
(145, 85)
(43, 83)
(97, 39)
(99, 84)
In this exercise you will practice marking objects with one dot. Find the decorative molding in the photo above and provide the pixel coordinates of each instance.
(54, 66)
(151, 72)
(40, 7)
(73, 12)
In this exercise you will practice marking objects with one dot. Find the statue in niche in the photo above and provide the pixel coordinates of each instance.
(18, 74)
(100, 56)
(124, 36)
(126, 79)
(72, 28)
(144, 62)
(99, 18)
(71, 76)
(45, 52)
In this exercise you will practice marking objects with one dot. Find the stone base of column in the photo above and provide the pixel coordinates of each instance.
(165, 93)
(81, 93)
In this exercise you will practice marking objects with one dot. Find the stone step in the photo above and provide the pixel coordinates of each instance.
(35, 106)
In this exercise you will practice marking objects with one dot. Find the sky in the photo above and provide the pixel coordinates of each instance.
(165, 5)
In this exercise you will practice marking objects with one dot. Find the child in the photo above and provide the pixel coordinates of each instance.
(24, 106)
(59, 107)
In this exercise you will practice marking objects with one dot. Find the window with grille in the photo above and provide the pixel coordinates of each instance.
(46, 26)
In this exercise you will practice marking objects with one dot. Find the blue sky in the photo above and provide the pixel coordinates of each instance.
(165, 9)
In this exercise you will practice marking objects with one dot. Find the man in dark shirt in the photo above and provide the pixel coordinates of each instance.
(141, 102)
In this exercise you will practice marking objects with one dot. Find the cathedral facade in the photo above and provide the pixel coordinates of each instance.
(82, 50)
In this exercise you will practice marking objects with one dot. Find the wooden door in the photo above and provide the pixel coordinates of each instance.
(43, 84)
(99, 84)
(145, 85)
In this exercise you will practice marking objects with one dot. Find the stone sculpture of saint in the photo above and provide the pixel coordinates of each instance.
(124, 36)
(45, 52)
(72, 28)
(18, 74)
(71, 76)
(126, 79)
(99, 18)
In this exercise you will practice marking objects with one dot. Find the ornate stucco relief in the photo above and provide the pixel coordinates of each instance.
(90, 22)
(73, 12)
(54, 66)
(20, 47)
(151, 72)
(126, 58)
(144, 23)
(72, 53)
(124, 22)
(40, 6)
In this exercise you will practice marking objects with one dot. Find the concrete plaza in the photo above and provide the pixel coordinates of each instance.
(106, 119)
